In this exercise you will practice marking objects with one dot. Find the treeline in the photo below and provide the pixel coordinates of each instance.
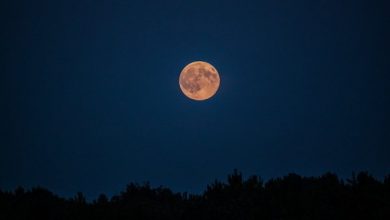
(290, 197)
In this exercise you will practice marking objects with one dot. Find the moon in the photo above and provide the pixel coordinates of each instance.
(199, 80)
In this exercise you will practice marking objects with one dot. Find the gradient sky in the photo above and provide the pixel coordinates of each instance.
(90, 100)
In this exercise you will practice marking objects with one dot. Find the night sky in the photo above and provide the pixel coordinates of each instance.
(90, 99)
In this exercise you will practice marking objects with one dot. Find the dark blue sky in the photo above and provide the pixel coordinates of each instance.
(90, 97)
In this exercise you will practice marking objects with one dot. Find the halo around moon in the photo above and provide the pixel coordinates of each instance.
(199, 80)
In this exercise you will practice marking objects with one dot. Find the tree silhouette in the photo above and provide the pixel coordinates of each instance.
(288, 197)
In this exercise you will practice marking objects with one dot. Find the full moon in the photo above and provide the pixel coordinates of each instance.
(199, 80)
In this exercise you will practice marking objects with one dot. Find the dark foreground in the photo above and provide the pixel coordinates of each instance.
(291, 197)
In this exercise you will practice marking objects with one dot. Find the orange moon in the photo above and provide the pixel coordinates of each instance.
(199, 80)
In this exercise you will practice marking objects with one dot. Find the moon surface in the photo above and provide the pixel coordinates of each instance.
(199, 80)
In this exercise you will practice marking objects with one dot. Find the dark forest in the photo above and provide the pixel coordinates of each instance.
(290, 197)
